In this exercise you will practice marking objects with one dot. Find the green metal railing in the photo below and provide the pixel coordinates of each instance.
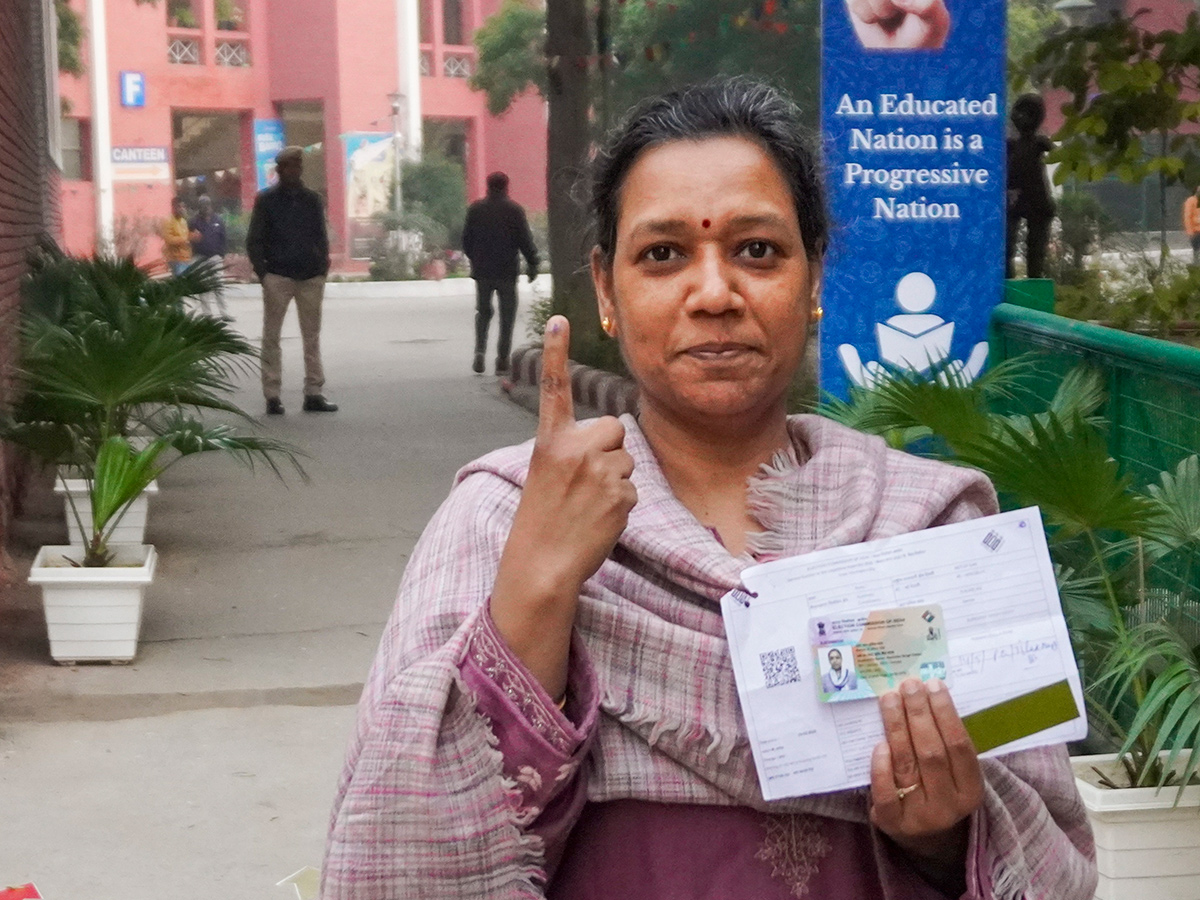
(1153, 408)
(1153, 385)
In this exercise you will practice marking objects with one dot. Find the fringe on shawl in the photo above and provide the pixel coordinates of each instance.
(528, 871)
(661, 730)
(767, 495)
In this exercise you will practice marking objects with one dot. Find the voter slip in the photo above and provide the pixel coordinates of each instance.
(816, 639)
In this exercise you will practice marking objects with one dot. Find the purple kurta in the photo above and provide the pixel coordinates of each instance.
(632, 848)
(464, 781)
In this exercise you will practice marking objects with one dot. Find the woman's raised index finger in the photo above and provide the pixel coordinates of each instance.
(556, 407)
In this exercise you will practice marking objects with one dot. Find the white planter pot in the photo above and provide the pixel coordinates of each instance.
(1147, 847)
(130, 530)
(93, 614)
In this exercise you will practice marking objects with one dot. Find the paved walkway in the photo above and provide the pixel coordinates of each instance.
(207, 766)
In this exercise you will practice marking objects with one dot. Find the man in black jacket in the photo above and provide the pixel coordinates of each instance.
(289, 249)
(495, 231)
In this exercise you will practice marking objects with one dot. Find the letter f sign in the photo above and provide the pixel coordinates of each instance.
(133, 89)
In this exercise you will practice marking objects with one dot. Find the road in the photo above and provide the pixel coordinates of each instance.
(207, 767)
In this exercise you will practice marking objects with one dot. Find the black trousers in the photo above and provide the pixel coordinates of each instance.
(1037, 238)
(506, 290)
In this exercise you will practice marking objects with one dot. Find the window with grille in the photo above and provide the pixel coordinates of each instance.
(453, 31)
(75, 157)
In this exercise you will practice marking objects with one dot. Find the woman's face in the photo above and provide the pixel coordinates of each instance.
(710, 289)
(835, 660)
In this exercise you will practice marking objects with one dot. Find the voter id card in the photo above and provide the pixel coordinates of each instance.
(858, 656)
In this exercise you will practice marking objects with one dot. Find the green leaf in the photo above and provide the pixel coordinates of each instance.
(121, 476)
(1066, 470)
(1167, 715)
(1177, 499)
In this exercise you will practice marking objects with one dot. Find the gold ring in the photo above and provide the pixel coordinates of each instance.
(901, 793)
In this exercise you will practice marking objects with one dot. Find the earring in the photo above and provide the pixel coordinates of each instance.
(607, 325)
(817, 314)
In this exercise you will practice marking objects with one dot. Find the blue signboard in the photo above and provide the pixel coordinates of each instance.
(913, 124)
(133, 89)
(268, 141)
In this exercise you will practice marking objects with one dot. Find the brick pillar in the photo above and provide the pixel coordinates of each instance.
(26, 178)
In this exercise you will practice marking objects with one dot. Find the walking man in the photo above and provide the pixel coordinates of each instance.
(208, 245)
(496, 230)
(177, 245)
(289, 250)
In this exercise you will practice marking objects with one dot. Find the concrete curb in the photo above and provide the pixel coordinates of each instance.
(605, 392)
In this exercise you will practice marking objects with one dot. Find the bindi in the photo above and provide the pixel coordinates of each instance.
(706, 223)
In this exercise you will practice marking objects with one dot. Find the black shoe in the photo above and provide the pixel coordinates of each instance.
(317, 403)
(274, 406)
(501, 365)
(477, 366)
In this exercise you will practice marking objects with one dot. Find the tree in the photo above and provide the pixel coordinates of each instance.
(1132, 97)
(567, 90)
(660, 46)
(511, 59)
(70, 39)
(590, 71)
(437, 187)
(645, 48)
(1029, 23)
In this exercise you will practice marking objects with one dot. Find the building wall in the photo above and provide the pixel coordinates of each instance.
(138, 39)
(517, 146)
(26, 174)
(341, 53)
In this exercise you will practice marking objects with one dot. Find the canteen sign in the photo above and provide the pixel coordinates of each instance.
(912, 118)
(141, 164)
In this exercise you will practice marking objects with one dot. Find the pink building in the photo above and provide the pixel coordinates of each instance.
(194, 85)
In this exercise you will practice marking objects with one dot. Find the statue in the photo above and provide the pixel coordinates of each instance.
(1029, 195)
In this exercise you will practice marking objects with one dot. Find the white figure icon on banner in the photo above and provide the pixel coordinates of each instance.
(915, 340)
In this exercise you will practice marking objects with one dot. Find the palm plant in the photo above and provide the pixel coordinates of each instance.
(108, 349)
(121, 474)
(60, 288)
(1124, 557)
(90, 378)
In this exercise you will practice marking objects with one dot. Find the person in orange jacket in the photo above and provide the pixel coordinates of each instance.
(177, 244)
(1191, 223)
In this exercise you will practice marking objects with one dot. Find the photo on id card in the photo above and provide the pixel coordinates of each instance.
(862, 655)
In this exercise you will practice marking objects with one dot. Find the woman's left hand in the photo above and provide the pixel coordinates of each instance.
(925, 776)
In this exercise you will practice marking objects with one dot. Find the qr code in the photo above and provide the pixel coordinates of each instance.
(779, 666)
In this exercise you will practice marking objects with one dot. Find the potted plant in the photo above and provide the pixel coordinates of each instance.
(94, 594)
(109, 350)
(1125, 562)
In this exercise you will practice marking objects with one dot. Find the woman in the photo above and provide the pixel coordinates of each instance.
(837, 679)
(552, 710)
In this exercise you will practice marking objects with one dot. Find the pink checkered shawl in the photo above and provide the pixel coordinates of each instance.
(423, 809)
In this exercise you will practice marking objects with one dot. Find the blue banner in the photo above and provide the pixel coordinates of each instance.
(268, 141)
(913, 125)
